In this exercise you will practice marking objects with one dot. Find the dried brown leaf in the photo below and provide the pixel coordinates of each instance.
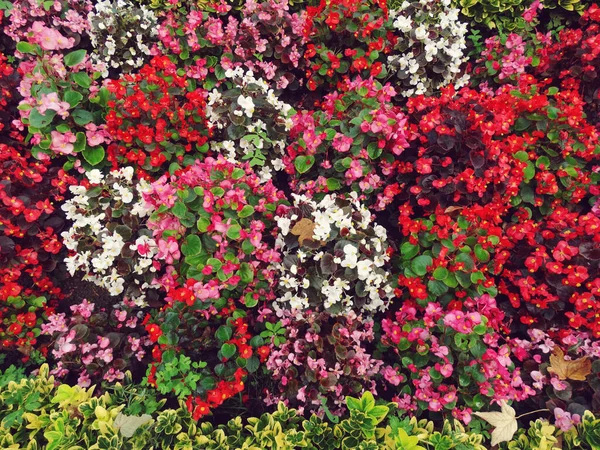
(304, 230)
(576, 369)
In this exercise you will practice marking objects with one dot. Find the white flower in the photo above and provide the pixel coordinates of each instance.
(247, 104)
(95, 176)
(284, 225)
(299, 303)
(403, 23)
(350, 256)
(364, 269)
(213, 97)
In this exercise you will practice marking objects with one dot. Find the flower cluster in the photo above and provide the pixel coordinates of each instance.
(30, 247)
(64, 17)
(249, 122)
(210, 225)
(155, 116)
(451, 357)
(322, 361)
(356, 134)
(266, 29)
(430, 46)
(334, 259)
(96, 344)
(107, 240)
(121, 33)
(20, 320)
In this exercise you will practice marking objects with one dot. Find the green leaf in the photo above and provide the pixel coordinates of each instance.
(73, 98)
(37, 120)
(440, 273)
(224, 333)
(246, 273)
(252, 364)
(333, 184)
(26, 47)
(246, 211)
(192, 245)
(353, 403)
(522, 124)
(228, 350)
(237, 173)
(203, 224)
(481, 254)
(420, 263)
(93, 155)
(304, 163)
(247, 247)
(437, 288)
(409, 250)
(529, 171)
(234, 232)
(74, 58)
(82, 79)
(179, 209)
(219, 72)
(80, 142)
(82, 117)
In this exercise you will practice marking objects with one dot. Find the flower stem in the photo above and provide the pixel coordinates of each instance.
(532, 412)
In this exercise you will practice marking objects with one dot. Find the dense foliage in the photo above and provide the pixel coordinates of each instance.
(357, 224)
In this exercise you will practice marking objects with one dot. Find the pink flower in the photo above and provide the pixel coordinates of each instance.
(355, 170)
(62, 143)
(392, 376)
(168, 250)
(105, 355)
(84, 309)
(49, 38)
(342, 143)
(96, 135)
(51, 101)
(84, 380)
(564, 420)
(531, 13)
(103, 342)
(435, 405)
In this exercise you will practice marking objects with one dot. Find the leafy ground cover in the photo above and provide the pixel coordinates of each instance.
(285, 224)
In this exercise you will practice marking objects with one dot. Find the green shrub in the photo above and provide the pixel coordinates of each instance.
(37, 414)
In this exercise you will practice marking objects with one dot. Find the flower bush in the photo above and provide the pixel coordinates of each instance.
(251, 120)
(107, 239)
(321, 362)
(20, 327)
(155, 116)
(334, 260)
(96, 345)
(355, 134)
(429, 50)
(209, 224)
(122, 34)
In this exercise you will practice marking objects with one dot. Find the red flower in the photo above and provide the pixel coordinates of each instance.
(245, 351)
(360, 64)
(154, 332)
(376, 69)
(333, 20)
(14, 328)
(201, 409)
(263, 353)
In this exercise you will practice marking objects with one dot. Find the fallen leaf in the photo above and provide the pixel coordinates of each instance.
(304, 230)
(452, 209)
(576, 369)
(505, 423)
(127, 425)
